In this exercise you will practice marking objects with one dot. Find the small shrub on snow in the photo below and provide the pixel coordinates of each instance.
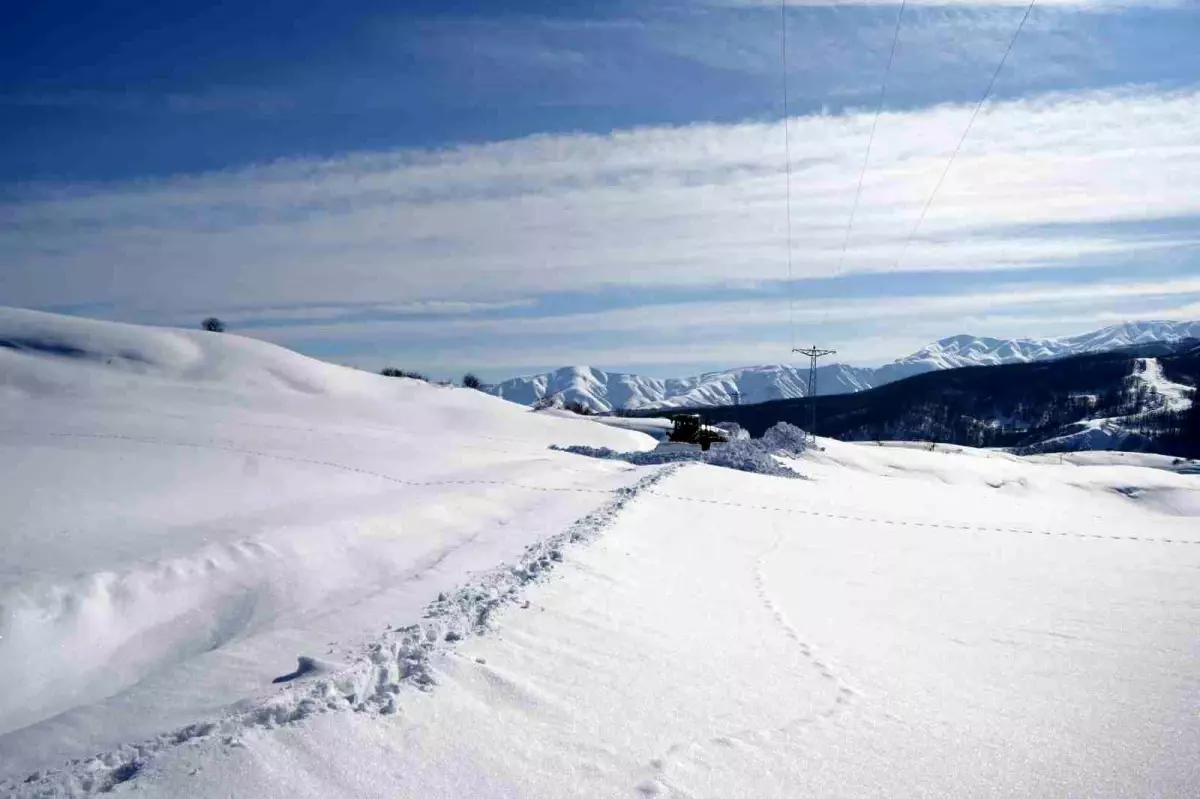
(391, 372)
(786, 439)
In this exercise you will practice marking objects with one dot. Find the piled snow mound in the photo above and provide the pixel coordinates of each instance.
(757, 456)
(785, 438)
(749, 456)
(654, 457)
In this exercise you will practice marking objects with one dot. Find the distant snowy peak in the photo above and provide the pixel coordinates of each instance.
(956, 351)
(602, 391)
(609, 391)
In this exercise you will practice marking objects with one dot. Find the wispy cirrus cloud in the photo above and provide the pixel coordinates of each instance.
(1059, 182)
(1101, 4)
(250, 317)
(1030, 298)
(646, 207)
(669, 338)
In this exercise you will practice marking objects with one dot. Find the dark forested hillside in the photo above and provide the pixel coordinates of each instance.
(1016, 405)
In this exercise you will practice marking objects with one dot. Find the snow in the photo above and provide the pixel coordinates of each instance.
(186, 513)
(607, 391)
(1093, 434)
(1175, 396)
(485, 617)
(658, 427)
(965, 350)
(1146, 460)
(1029, 634)
(761, 456)
(1117, 432)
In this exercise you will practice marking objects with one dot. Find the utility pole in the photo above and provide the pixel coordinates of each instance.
(813, 353)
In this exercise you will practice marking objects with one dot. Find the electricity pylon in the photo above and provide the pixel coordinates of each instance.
(813, 354)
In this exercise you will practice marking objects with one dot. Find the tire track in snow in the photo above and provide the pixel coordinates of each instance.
(399, 660)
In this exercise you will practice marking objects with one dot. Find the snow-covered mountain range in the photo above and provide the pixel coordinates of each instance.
(607, 391)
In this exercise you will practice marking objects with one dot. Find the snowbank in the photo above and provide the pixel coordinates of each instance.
(757, 456)
(786, 439)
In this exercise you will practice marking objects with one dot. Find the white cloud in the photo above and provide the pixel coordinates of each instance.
(686, 206)
(351, 312)
(661, 318)
(746, 331)
(1102, 4)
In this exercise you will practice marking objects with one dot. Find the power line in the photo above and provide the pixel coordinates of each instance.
(787, 166)
(986, 93)
(870, 140)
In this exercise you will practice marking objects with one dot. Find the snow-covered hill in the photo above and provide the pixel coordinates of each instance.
(184, 513)
(607, 391)
(229, 570)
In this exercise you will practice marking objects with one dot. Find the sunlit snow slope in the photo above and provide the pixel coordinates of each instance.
(185, 512)
(904, 622)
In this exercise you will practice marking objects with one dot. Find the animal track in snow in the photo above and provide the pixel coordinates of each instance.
(844, 692)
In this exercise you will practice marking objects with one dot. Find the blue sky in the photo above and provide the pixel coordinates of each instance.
(451, 186)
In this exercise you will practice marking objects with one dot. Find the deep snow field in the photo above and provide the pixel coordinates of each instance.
(185, 514)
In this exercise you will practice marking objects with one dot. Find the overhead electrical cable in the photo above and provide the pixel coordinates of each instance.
(787, 166)
(871, 138)
(950, 162)
(867, 155)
